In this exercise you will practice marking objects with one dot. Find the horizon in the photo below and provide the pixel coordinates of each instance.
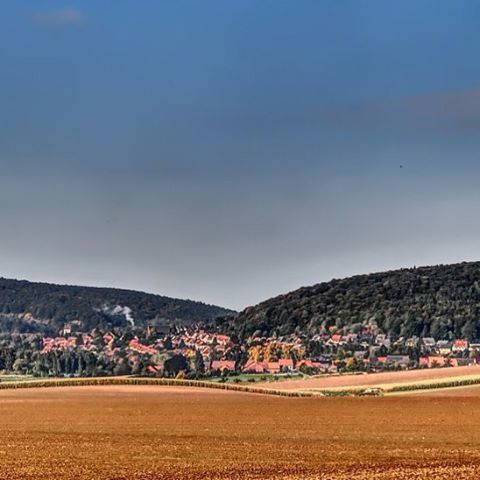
(413, 267)
(158, 147)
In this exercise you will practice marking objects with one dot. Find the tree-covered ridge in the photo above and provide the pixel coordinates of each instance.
(29, 306)
(439, 301)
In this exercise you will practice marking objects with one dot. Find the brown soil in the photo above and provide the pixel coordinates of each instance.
(152, 433)
(374, 379)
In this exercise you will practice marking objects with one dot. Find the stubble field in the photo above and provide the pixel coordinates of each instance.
(150, 433)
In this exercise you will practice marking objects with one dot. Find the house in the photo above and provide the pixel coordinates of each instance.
(307, 363)
(336, 340)
(223, 365)
(350, 337)
(460, 346)
(67, 329)
(58, 343)
(429, 342)
(108, 337)
(138, 347)
(398, 360)
(373, 350)
(286, 364)
(412, 342)
(254, 367)
(382, 340)
(325, 366)
(222, 339)
(273, 367)
(433, 361)
(331, 369)
(444, 347)
(463, 362)
(360, 354)
(87, 342)
(154, 369)
(48, 345)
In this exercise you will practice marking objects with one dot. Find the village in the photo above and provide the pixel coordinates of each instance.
(196, 352)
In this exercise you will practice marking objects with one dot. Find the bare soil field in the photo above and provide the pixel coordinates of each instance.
(467, 391)
(153, 433)
(383, 379)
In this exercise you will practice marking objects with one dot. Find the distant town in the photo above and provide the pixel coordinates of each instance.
(199, 352)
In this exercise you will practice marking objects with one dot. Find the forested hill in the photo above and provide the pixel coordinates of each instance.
(441, 301)
(29, 306)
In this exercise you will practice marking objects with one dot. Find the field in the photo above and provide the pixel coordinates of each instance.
(158, 432)
(381, 380)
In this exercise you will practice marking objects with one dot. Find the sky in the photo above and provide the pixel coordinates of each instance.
(229, 151)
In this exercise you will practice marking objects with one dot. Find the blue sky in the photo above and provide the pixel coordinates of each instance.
(229, 151)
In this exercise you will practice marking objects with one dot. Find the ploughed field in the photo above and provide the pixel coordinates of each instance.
(157, 432)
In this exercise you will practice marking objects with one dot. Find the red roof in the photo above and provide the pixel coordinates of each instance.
(273, 367)
(307, 362)
(153, 369)
(223, 365)
(257, 367)
(433, 360)
(138, 347)
(223, 338)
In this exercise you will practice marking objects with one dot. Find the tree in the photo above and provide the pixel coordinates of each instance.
(176, 364)
(199, 364)
(167, 343)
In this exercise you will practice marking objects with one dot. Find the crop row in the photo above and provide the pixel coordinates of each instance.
(363, 392)
(84, 382)
(432, 386)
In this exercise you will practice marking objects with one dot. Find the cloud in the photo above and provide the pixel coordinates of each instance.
(460, 109)
(64, 17)
(454, 109)
(451, 110)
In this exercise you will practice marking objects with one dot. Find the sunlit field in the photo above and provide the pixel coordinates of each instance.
(384, 380)
(150, 432)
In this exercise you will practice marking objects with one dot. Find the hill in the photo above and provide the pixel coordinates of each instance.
(30, 307)
(440, 301)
